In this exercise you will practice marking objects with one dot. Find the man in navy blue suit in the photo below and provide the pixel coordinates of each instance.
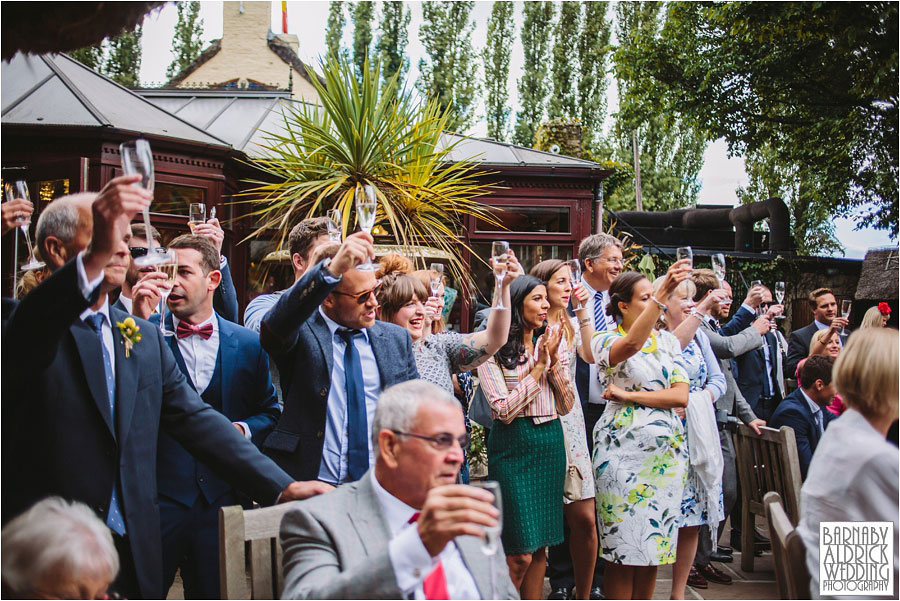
(84, 398)
(226, 365)
(804, 409)
(334, 359)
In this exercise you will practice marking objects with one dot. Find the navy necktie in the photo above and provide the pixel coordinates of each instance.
(357, 422)
(114, 518)
(599, 313)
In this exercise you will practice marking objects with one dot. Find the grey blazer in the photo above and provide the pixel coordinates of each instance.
(726, 348)
(336, 547)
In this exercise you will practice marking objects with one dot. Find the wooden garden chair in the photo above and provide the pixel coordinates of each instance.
(788, 551)
(249, 552)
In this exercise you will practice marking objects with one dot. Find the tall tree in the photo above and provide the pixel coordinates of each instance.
(123, 64)
(671, 149)
(451, 70)
(532, 85)
(593, 63)
(816, 83)
(565, 41)
(334, 29)
(393, 38)
(363, 13)
(90, 56)
(188, 33)
(496, 55)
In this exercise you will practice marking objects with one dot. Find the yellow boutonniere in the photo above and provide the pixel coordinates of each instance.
(130, 336)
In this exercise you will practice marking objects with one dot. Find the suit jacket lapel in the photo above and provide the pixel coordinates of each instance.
(228, 352)
(478, 563)
(127, 372)
(91, 355)
(368, 519)
(374, 335)
(323, 335)
(172, 341)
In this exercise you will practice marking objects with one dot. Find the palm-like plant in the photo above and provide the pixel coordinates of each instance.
(363, 134)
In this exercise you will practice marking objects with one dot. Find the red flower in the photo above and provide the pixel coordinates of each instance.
(884, 308)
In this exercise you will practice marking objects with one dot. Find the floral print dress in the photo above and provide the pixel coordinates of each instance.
(640, 456)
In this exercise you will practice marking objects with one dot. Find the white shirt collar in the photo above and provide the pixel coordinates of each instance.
(812, 404)
(588, 287)
(126, 302)
(334, 326)
(396, 513)
(104, 310)
(820, 325)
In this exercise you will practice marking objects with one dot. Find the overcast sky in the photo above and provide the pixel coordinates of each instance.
(719, 177)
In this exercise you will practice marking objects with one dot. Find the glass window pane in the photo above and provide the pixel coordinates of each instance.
(174, 199)
(529, 219)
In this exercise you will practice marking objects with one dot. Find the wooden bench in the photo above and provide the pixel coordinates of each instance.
(249, 552)
(788, 551)
(766, 462)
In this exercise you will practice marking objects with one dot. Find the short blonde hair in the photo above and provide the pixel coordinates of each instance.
(873, 318)
(817, 337)
(865, 374)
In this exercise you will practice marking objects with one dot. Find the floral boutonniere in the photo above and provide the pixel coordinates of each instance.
(130, 333)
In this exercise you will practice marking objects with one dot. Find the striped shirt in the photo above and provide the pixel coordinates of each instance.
(514, 393)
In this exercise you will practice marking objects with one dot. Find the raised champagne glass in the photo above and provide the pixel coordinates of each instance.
(500, 257)
(137, 158)
(685, 252)
(168, 266)
(366, 208)
(19, 189)
(437, 277)
(574, 266)
(335, 225)
(846, 305)
(197, 215)
(779, 296)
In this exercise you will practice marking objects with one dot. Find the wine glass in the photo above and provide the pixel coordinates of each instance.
(718, 265)
(137, 158)
(366, 207)
(19, 189)
(574, 266)
(685, 252)
(491, 542)
(197, 215)
(500, 256)
(334, 225)
(846, 305)
(779, 296)
(754, 284)
(437, 277)
(168, 265)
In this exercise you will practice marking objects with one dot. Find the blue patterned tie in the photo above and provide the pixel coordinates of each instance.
(357, 422)
(599, 312)
(114, 518)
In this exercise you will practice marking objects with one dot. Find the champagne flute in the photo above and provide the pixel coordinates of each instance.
(197, 214)
(334, 225)
(437, 277)
(753, 284)
(779, 296)
(137, 158)
(574, 266)
(366, 208)
(685, 252)
(491, 542)
(500, 256)
(846, 305)
(168, 266)
(19, 189)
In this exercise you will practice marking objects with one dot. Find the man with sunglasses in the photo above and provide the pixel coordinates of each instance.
(759, 373)
(334, 359)
(405, 530)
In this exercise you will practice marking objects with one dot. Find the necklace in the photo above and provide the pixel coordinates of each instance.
(646, 349)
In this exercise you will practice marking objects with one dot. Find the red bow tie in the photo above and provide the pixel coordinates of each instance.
(185, 329)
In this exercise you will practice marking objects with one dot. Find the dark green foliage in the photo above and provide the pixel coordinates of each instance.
(363, 13)
(496, 55)
(123, 64)
(532, 85)
(90, 56)
(450, 73)
(188, 31)
(565, 44)
(334, 29)
(594, 54)
(393, 37)
(806, 88)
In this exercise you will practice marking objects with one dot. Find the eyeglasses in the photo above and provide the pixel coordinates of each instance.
(441, 442)
(140, 251)
(361, 297)
(613, 261)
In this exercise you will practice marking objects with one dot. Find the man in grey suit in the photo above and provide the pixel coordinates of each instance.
(334, 360)
(731, 404)
(405, 530)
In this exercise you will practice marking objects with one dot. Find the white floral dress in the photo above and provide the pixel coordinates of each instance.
(640, 456)
(693, 500)
(573, 429)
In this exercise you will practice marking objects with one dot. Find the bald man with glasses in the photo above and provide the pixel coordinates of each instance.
(334, 359)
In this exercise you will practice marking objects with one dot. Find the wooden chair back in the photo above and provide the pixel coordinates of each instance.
(249, 552)
(765, 462)
(788, 551)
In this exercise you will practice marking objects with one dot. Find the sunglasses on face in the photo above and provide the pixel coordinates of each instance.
(441, 442)
(139, 251)
(361, 297)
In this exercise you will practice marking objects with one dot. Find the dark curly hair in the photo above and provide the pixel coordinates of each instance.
(512, 354)
(622, 291)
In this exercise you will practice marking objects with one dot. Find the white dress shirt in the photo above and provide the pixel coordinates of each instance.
(200, 355)
(127, 303)
(409, 558)
(596, 390)
(334, 466)
(853, 477)
(87, 288)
